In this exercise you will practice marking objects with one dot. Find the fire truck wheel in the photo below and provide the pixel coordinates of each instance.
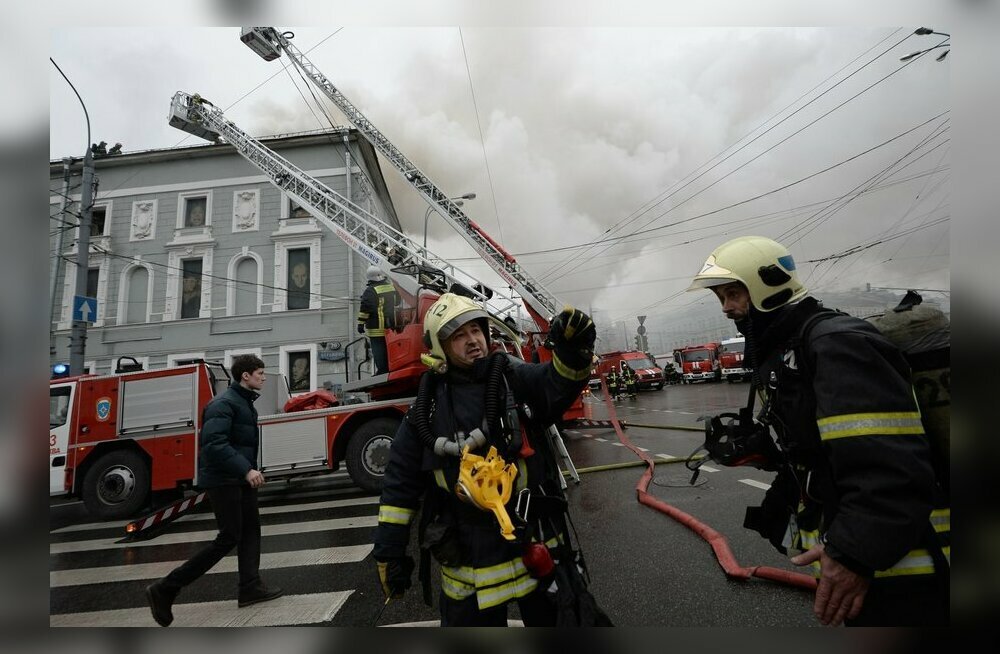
(117, 485)
(368, 452)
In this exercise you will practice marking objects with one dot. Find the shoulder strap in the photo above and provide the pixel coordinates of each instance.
(801, 340)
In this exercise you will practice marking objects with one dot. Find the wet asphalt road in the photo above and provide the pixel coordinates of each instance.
(646, 568)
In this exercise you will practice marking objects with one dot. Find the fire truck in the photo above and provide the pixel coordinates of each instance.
(649, 374)
(731, 358)
(115, 438)
(699, 363)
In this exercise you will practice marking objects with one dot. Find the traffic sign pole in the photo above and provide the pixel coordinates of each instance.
(78, 336)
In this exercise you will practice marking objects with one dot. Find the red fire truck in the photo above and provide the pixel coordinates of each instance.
(115, 438)
(699, 362)
(731, 358)
(650, 375)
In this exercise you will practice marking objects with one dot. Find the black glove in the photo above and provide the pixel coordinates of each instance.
(394, 574)
(361, 328)
(572, 335)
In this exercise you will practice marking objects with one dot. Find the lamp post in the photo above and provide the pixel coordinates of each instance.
(458, 202)
(923, 31)
(78, 333)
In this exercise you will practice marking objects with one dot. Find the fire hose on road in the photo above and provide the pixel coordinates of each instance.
(716, 540)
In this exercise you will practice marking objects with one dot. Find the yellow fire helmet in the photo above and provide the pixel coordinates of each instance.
(486, 483)
(450, 312)
(764, 266)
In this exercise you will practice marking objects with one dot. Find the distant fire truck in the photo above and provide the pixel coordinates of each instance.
(732, 359)
(699, 363)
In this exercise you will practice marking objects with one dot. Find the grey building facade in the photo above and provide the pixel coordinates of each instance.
(195, 254)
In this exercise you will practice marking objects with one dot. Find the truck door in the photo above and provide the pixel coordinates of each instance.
(60, 401)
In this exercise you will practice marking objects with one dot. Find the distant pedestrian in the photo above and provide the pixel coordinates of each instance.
(227, 470)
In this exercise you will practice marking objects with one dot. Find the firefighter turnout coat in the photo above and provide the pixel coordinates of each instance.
(858, 474)
(481, 563)
(378, 308)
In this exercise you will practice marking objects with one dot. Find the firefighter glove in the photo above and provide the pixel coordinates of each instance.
(361, 328)
(572, 335)
(394, 574)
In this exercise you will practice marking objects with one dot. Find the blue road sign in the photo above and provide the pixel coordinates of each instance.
(84, 308)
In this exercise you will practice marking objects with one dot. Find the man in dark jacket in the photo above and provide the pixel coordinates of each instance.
(227, 471)
(494, 404)
(855, 492)
(377, 314)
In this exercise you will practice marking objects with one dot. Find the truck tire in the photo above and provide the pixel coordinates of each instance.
(368, 452)
(116, 485)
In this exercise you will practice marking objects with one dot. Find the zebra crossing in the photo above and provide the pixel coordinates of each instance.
(315, 545)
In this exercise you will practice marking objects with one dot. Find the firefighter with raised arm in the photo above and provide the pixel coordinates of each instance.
(855, 496)
(377, 314)
(474, 452)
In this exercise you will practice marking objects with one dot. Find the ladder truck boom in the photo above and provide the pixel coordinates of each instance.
(269, 43)
(376, 242)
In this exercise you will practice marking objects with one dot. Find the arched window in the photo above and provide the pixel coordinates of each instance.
(246, 287)
(138, 296)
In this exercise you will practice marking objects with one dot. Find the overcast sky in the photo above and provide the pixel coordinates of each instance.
(567, 133)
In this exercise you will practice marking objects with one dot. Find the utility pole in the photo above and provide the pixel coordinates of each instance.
(78, 336)
(57, 259)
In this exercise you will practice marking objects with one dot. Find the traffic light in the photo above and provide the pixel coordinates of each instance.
(638, 341)
(60, 370)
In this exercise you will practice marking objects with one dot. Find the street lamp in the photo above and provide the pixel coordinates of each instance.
(924, 31)
(458, 202)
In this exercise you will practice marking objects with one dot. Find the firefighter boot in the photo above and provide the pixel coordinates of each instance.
(160, 600)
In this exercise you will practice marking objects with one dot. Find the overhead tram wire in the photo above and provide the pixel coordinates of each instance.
(482, 139)
(671, 191)
(783, 187)
(654, 201)
(743, 165)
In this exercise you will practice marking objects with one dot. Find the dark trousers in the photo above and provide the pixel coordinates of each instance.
(236, 514)
(380, 353)
(536, 611)
(918, 601)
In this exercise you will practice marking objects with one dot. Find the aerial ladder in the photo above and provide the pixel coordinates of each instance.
(411, 266)
(269, 43)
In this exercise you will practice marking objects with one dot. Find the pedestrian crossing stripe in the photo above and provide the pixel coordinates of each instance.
(287, 610)
(268, 561)
(194, 536)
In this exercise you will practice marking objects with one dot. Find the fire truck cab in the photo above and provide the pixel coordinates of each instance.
(113, 439)
(731, 358)
(699, 363)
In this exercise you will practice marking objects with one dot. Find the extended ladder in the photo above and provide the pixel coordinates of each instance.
(268, 42)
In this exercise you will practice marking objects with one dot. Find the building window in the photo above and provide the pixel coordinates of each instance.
(185, 358)
(298, 282)
(98, 220)
(93, 278)
(298, 366)
(191, 280)
(297, 211)
(137, 284)
(195, 210)
(247, 288)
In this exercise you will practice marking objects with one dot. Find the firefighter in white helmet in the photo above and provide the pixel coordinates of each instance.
(490, 409)
(855, 496)
(377, 314)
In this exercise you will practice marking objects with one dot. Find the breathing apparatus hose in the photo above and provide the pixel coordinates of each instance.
(717, 541)
(423, 406)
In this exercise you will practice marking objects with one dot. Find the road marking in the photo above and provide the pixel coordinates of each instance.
(753, 482)
(602, 440)
(192, 536)
(268, 561)
(284, 611)
(264, 510)
(708, 469)
(641, 449)
(618, 444)
(668, 457)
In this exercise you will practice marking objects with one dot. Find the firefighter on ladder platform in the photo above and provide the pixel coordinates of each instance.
(378, 313)
(474, 452)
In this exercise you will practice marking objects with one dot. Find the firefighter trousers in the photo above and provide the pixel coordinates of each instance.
(380, 354)
(536, 610)
(238, 519)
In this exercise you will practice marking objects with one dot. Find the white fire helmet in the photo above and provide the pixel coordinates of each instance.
(764, 266)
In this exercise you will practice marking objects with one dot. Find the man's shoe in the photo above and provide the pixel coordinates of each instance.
(259, 594)
(160, 602)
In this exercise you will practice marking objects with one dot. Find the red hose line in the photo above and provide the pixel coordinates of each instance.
(723, 553)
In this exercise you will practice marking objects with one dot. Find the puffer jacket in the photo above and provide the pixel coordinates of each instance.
(229, 439)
